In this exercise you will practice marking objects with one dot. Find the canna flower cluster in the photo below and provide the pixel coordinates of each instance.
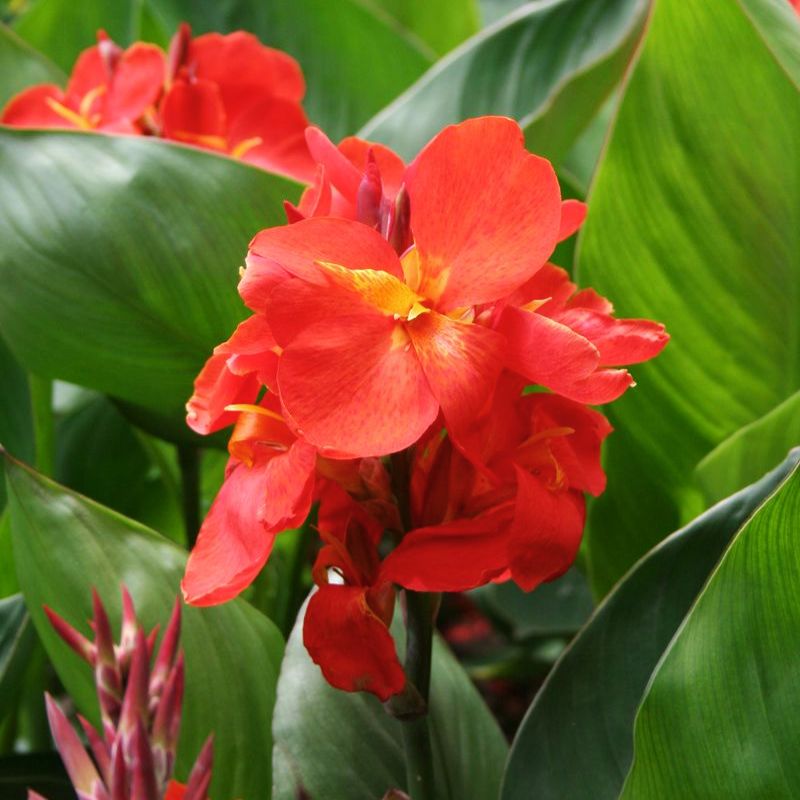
(416, 366)
(140, 707)
(230, 94)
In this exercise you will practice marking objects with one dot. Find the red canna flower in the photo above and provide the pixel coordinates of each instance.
(346, 626)
(517, 512)
(397, 339)
(233, 94)
(110, 89)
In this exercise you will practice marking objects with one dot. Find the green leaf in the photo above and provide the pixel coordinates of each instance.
(354, 56)
(64, 544)
(53, 27)
(123, 254)
(577, 738)
(16, 417)
(21, 66)
(750, 452)
(344, 746)
(17, 640)
(440, 24)
(553, 609)
(719, 719)
(549, 65)
(101, 456)
(694, 220)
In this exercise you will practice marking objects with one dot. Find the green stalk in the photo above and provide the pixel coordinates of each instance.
(416, 732)
(419, 644)
(41, 390)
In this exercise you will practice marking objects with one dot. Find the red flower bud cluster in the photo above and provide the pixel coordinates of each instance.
(416, 365)
(230, 94)
(140, 708)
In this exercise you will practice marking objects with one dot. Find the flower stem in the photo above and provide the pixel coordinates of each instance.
(189, 462)
(41, 390)
(416, 732)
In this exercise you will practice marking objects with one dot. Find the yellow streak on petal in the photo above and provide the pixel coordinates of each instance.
(88, 99)
(68, 114)
(399, 337)
(378, 288)
(245, 145)
(534, 304)
(214, 142)
(251, 409)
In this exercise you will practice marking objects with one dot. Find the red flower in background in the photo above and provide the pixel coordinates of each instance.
(228, 93)
(233, 94)
(110, 89)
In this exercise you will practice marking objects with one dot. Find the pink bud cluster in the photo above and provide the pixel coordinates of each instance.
(140, 708)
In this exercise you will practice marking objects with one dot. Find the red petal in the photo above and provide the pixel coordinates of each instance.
(232, 545)
(193, 112)
(341, 171)
(289, 488)
(316, 200)
(485, 213)
(88, 73)
(241, 66)
(619, 341)
(452, 557)
(461, 362)
(355, 385)
(577, 454)
(602, 386)
(280, 126)
(573, 213)
(351, 645)
(175, 791)
(546, 532)
(137, 83)
(297, 247)
(30, 109)
(252, 348)
(215, 388)
(544, 351)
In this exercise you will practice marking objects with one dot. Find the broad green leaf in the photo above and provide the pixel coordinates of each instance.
(549, 65)
(694, 220)
(577, 738)
(354, 56)
(779, 25)
(344, 746)
(719, 719)
(16, 419)
(751, 451)
(440, 24)
(44, 773)
(101, 456)
(54, 27)
(21, 66)
(123, 256)
(553, 609)
(64, 544)
(17, 640)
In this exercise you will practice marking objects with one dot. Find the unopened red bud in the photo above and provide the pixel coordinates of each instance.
(77, 641)
(398, 225)
(166, 654)
(178, 50)
(110, 53)
(370, 194)
(200, 776)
